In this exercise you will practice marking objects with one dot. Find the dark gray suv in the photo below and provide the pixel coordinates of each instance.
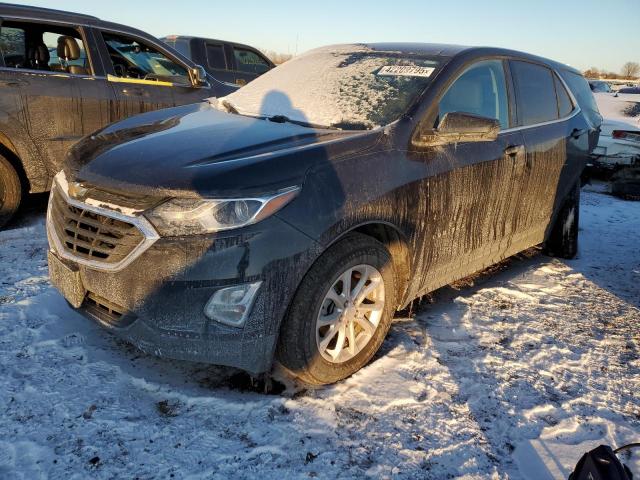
(290, 219)
(65, 75)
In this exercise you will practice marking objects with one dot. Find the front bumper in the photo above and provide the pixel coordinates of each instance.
(156, 301)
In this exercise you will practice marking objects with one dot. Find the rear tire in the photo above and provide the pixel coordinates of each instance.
(356, 327)
(10, 191)
(563, 240)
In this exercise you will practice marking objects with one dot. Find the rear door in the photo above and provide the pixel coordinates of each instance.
(472, 192)
(217, 62)
(556, 143)
(43, 91)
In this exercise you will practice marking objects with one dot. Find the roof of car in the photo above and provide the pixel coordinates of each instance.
(449, 51)
(41, 13)
(206, 39)
(10, 9)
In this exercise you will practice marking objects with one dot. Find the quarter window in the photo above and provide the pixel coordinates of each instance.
(250, 62)
(480, 90)
(565, 106)
(215, 57)
(133, 59)
(582, 93)
(535, 92)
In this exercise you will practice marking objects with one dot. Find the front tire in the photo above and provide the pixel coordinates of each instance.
(10, 191)
(340, 313)
(563, 240)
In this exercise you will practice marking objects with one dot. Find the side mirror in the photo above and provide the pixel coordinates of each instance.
(461, 127)
(198, 76)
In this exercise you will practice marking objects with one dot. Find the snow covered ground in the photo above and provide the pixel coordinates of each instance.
(513, 374)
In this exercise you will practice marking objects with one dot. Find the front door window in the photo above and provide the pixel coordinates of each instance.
(480, 90)
(133, 59)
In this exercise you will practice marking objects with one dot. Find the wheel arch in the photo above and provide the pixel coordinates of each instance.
(397, 244)
(9, 151)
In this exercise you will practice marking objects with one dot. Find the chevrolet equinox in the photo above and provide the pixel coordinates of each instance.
(289, 220)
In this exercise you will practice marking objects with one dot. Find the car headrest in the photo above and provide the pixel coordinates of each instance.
(38, 56)
(68, 48)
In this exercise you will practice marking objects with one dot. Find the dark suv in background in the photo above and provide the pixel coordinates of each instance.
(64, 75)
(225, 61)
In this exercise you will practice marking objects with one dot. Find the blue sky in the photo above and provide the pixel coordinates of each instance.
(582, 33)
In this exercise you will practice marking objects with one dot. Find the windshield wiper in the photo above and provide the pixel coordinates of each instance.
(285, 119)
(346, 125)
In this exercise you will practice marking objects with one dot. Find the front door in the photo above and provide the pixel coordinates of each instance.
(142, 75)
(247, 65)
(470, 196)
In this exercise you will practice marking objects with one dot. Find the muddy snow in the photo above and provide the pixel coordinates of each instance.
(511, 374)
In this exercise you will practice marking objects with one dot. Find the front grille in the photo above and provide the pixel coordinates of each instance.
(105, 306)
(88, 235)
(106, 311)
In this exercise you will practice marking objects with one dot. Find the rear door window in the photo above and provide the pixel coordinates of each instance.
(480, 90)
(249, 61)
(215, 56)
(40, 46)
(535, 93)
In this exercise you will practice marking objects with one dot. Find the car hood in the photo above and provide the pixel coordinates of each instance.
(196, 150)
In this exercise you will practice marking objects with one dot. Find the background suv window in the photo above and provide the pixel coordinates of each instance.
(36, 46)
(215, 56)
(535, 92)
(250, 62)
(480, 90)
(134, 59)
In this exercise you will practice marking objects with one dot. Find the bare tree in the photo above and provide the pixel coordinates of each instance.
(276, 57)
(592, 72)
(630, 70)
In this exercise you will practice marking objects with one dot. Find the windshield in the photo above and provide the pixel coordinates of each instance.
(346, 87)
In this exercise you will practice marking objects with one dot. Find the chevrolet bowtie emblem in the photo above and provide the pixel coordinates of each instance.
(77, 191)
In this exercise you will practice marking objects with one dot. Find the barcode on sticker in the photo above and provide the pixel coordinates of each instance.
(405, 71)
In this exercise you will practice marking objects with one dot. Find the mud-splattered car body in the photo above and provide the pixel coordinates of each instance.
(53, 93)
(443, 209)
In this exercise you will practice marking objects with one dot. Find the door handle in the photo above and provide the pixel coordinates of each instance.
(135, 92)
(576, 134)
(13, 83)
(514, 150)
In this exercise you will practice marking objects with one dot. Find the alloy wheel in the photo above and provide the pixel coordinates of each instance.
(350, 313)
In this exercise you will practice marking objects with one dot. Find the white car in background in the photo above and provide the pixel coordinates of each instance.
(619, 144)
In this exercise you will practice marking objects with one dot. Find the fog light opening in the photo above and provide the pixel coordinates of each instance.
(232, 305)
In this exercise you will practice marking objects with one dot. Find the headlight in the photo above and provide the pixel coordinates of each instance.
(192, 216)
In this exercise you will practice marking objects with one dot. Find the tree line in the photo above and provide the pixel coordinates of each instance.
(629, 71)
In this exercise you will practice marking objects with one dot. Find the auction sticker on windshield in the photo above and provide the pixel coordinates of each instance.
(405, 71)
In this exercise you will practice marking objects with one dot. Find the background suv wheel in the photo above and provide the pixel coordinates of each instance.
(10, 191)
